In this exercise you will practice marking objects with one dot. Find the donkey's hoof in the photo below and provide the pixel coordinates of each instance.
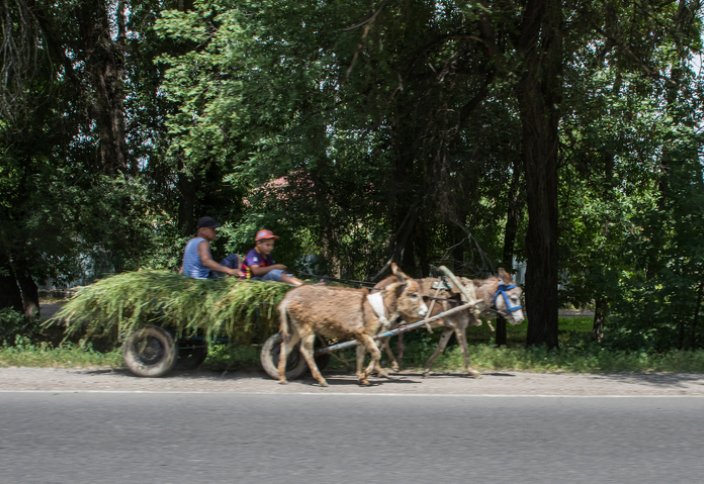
(383, 373)
(472, 373)
(323, 383)
(395, 367)
(283, 382)
(426, 373)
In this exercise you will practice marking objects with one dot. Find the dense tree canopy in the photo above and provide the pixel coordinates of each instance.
(564, 134)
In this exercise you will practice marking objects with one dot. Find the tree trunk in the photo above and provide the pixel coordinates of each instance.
(28, 288)
(539, 97)
(513, 216)
(601, 309)
(10, 296)
(186, 207)
(501, 335)
(692, 343)
(105, 64)
(327, 235)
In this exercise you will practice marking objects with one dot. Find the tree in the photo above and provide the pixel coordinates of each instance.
(539, 93)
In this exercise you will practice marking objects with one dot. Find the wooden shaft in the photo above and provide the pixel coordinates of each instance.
(400, 330)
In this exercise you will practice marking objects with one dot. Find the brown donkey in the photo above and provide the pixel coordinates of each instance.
(500, 294)
(336, 312)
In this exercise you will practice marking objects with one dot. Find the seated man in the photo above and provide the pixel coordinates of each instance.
(260, 265)
(198, 263)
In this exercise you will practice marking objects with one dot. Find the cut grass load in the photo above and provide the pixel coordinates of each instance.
(242, 311)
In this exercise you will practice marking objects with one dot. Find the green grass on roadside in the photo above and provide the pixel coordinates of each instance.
(587, 360)
(67, 355)
(576, 354)
(484, 357)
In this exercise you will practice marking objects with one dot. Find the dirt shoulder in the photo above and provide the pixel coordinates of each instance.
(491, 383)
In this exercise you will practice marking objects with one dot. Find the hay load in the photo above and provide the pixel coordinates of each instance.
(243, 311)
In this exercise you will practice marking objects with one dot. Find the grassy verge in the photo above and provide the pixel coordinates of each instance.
(576, 360)
(575, 355)
(484, 357)
(45, 355)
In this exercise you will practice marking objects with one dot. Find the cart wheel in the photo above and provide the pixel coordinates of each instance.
(150, 352)
(191, 354)
(295, 365)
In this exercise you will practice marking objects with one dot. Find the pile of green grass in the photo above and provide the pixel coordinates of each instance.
(242, 311)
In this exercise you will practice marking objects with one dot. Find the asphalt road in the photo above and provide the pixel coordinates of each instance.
(68, 437)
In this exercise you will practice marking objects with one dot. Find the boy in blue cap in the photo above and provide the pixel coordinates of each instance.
(198, 263)
(259, 265)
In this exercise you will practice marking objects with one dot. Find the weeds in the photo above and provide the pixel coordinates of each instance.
(102, 309)
(485, 357)
(590, 359)
(67, 355)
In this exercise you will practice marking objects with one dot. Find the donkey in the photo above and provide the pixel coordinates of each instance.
(499, 294)
(336, 312)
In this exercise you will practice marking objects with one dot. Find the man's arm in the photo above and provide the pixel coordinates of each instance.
(207, 260)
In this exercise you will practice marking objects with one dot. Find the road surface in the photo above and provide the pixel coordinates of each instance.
(251, 430)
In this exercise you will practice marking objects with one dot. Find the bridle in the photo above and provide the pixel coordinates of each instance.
(501, 291)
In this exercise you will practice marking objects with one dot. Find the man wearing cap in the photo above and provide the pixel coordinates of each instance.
(258, 264)
(198, 263)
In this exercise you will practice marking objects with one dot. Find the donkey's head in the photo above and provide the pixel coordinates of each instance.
(407, 296)
(507, 298)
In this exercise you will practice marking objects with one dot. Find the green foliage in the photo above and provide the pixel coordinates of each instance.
(242, 311)
(12, 324)
(357, 131)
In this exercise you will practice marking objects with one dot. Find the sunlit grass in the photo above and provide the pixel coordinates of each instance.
(67, 355)
(576, 354)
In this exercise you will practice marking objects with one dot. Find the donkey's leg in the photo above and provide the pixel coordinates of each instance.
(461, 335)
(371, 347)
(285, 349)
(361, 375)
(386, 344)
(444, 339)
(307, 349)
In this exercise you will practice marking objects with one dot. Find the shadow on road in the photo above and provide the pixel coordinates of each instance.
(235, 375)
(681, 380)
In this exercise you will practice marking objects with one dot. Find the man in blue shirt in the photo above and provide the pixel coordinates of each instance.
(198, 263)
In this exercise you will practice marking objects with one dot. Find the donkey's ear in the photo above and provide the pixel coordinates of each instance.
(398, 272)
(505, 276)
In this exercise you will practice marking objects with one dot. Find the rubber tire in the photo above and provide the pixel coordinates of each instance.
(191, 355)
(296, 366)
(269, 357)
(154, 366)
